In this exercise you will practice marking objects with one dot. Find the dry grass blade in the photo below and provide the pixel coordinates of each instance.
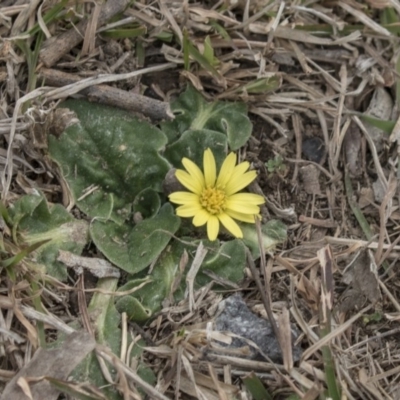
(201, 253)
(334, 333)
(108, 356)
(364, 19)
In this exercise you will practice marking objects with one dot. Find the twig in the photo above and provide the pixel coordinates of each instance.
(55, 48)
(154, 109)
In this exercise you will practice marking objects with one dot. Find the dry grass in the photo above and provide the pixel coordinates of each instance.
(305, 70)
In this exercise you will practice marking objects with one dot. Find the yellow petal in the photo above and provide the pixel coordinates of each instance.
(243, 208)
(238, 183)
(240, 169)
(249, 198)
(249, 218)
(193, 170)
(210, 168)
(184, 198)
(230, 225)
(201, 218)
(189, 210)
(227, 169)
(187, 181)
(212, 227)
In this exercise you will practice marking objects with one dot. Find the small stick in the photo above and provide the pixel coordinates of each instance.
(55, 48)
(154, 109)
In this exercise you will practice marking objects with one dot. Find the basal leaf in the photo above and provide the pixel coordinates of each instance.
(147, 203)
(133, 308)
(149, 238)
(192, 145)
(112, 240)
(168, 281)
(37, 222)
(149, 298)
(194, 113)
(134, 248)
(106, 320)
(108, 158)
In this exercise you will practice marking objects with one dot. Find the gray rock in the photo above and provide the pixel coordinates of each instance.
(235, 317)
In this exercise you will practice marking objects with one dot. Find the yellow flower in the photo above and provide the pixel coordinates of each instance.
(214, 199)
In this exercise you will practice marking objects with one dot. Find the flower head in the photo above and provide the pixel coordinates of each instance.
(214, 199)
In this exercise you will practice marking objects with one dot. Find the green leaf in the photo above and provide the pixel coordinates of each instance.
(385, 126)
(167, 281)
(135, 248)
(12, 261)
(106, 320)
(388, 16)
(112, 240)
(133, 308)
(220, 30)
(32, 57)
(147, 203)
(192, 145)
(261, 85)
(194, 113)
(48, 17)
(228, 262)
(108, 159)
(39, 222)
(163, 276)
(149, 238)
(125, 32)
(147, 300)
(190, 50)
(165, 36)
(256, 388)
(22, 208)
(209, 52)
(5, 215)
(273, 233)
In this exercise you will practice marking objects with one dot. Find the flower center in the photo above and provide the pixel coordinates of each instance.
(213, 200)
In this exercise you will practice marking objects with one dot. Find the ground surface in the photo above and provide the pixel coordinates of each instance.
(308, 72)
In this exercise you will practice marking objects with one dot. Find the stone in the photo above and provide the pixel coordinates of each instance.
(235, 317)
